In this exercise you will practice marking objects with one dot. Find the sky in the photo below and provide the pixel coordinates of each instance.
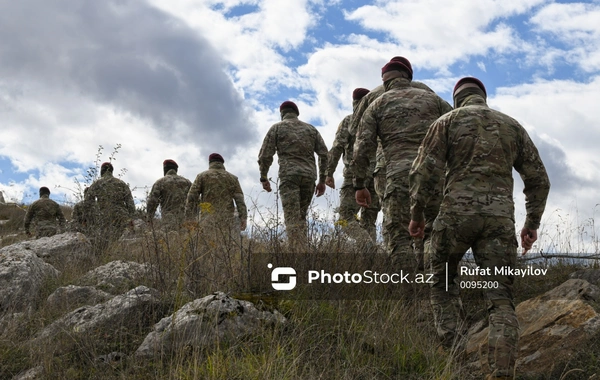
(181, 79)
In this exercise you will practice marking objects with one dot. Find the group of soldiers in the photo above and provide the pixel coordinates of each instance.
(442, 176)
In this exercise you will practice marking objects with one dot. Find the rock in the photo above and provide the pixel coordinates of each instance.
(72, 296)
(590, 275)
(116, 276)
(22, 276)
(58, 250)
(31, 374)
(205, 321)
(134, 309)
(554, 328)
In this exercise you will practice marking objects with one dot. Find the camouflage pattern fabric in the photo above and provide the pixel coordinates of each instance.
(109, 206)
(400, 118)
(478, 147)
(295, 143)
(343, 146)
(78, 221)
(214, 196)
(46, 216)
(170, 192)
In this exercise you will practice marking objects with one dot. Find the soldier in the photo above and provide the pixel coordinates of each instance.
(215, 191)
(45, 214)
(295, 143)
(170, 192)
(380, 174)
(479, 147)
(343, 144)
(400, 118)
(109, 206)
(79, 216)
(2, 198)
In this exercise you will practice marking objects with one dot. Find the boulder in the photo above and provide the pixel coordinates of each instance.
(22, 276)
(134, 310)
(206, 321)
(590, 275)
(555, 326)
(58, 250)
(72, 296)
(116, 276)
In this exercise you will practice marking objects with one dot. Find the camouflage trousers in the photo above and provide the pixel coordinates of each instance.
(296, 194)
(362, 228)
(45, 229)
(379, 183)
(494, 245)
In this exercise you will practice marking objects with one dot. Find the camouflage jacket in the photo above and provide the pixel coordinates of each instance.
(215, 191)
(170, 192)
(479, 147)
(295, 143)
(400, 118)
(44, 212)
(110, 197)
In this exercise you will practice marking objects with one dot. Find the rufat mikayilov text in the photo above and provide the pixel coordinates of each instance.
(503, 271)
(369, 277)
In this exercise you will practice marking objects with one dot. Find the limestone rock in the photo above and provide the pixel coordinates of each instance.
(205, 321)
(22, 276)
(72, 296)
(116, 276)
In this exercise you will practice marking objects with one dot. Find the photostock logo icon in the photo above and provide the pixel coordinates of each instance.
(283, 271)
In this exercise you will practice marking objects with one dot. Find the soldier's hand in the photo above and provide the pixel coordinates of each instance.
(329, 181)
(266, 186)
(363, 197)
(243, 225)
(528, 237)
(320, 189)
(417, 229)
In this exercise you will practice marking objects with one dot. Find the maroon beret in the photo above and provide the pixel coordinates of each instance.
(289, 104)
(216, 157)
(399, 64)
(358, 93)
(469, 80)
(170, 163)
(107, 165)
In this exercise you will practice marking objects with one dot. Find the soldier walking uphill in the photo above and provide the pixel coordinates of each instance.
(379, 173)
(110, 204)
(343, 144)
(45, 215)
(218, 193)
(400, 118)
(170, 193)
(479, 147)
(295, 143)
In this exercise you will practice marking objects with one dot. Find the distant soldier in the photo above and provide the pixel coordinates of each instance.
(343, 145)
(479, 147)
(45, 214)
(400, 118)
(2, 198)
(380, 173)
(170, 192)
(295, 143)
(218, 194)
(110, 202)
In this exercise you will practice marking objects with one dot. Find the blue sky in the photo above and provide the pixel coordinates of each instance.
(181, 79)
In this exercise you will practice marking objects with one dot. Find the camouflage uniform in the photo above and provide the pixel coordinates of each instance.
(400, 118)
(78, 221)
(170, 192)
(46, 216)
(379, 173)
(215, 190)
(478, 147)
(109, 207)
(343, 144)
(295, 143)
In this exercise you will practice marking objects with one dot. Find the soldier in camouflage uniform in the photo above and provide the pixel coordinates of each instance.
(78, 217)
(380, 174)
(170, 193)
(479, 147)
(108, 206)
(295, 143)
(344, 145)
(216, 191)
(46, 216)
(400, 118)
